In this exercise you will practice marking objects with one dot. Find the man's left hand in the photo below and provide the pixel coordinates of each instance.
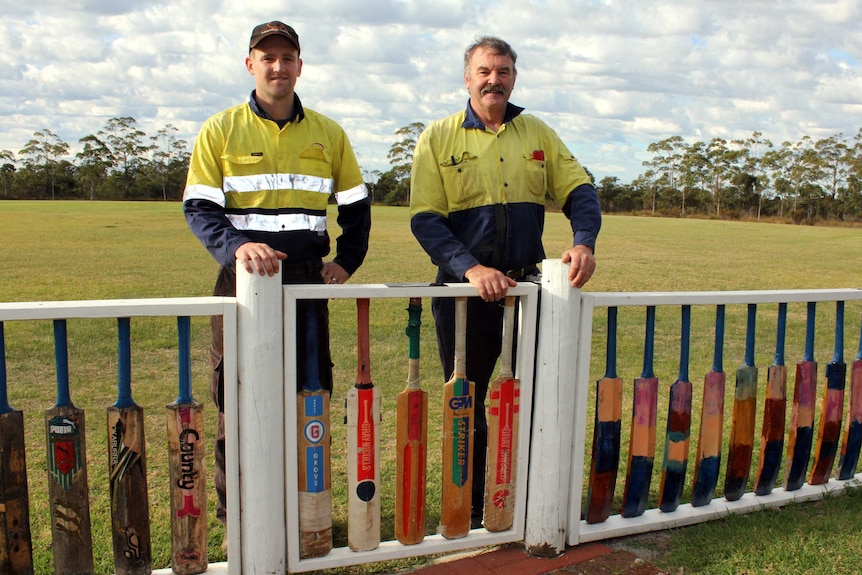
(332, 273)
(582, 265)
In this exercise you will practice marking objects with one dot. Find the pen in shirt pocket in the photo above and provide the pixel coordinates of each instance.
(454, 163)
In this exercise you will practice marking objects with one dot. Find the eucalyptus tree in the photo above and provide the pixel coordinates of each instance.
(127, 147)
(7, 169)
(169, 156)
(94, 162)
(401, 159)
(44, 152)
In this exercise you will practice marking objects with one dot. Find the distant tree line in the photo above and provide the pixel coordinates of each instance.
(802, 181)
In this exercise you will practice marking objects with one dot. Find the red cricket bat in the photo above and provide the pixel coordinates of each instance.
(458, 394)
(186, 452)
(772, 436)
(744, 409)
(832, 409)
(708, 458)
(853, 431)
(16, 546)
(411, 442)
(127, 470)
(68, 492)
(314, 472)
(363, 448)
(642, 442)
(504, 401)
(801, 433)
(678, 426)
(606, 432)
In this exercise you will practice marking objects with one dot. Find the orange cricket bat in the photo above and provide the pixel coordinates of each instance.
(458, 394)
(411, 441)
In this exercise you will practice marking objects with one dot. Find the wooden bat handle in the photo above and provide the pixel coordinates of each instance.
(508, 334)
(363, 376)
(461, 336)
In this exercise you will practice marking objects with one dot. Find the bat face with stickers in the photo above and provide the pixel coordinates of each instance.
(801, 434)
(16, 547)
(411, 442)
(775, 407)
(458, 395)
(186, 452)
(68, 491)
(504, 402)
(127, 470)
(744, 408)
(315, 476)
(678, 426)
(832, 408)
(606, 432)
(708, 458)
(363, 447)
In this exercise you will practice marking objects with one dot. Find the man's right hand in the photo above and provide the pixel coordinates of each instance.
(491, 283)
(259, 258)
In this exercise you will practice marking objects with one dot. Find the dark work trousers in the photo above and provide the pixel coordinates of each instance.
(304, 273)
(484, 339)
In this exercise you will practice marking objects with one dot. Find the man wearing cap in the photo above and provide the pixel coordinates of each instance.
(260, 177)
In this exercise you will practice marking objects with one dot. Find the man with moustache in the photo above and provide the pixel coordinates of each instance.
(260, 178)
(477, 205)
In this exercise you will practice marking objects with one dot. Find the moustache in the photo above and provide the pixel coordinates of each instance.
(493, 89)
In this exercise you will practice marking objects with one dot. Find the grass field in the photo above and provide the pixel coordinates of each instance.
(96, 250)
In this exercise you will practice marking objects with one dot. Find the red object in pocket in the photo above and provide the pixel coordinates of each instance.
(539, 155)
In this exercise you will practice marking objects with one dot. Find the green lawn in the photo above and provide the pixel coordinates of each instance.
(101, 250)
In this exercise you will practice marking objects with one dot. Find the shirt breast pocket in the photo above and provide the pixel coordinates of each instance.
(536, 178)
(315, 161)
(463, 183)
(236, 165)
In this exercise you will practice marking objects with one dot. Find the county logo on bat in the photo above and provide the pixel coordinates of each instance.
(189, 438)
(314, 432)
(65, 453)
(365, 468)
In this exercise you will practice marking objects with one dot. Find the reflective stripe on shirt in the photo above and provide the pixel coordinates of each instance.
(278, 222)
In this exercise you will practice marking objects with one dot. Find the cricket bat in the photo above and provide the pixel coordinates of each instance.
(772, 435)
(708, 460)
(458, 394)
(314, 471)
(68, 492)
(744, 408)
(801, 434)
(504, 394)
(606, 432)
(832, 408)
(853, 430)
(411, 440)
(186, 453)
(16, 545)
(642, 442)
(678, 426)
(127, 470)
(363, 447)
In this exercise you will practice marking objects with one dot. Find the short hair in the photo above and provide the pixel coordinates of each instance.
(495, 45)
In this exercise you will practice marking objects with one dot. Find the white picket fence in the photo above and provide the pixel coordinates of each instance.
(554, 369)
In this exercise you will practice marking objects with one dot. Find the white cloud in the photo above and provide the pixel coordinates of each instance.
(611, 76)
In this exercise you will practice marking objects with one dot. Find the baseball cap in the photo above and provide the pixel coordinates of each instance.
(275, 27)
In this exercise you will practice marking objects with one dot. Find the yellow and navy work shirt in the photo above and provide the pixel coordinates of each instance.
(478, 197)
(251, 180)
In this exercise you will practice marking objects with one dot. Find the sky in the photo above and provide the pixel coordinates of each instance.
(611, 77)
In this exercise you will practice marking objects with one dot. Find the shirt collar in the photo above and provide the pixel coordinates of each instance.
(471, 120)
(298, 110)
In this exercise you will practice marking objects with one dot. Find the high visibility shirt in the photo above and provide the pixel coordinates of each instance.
(478, 197)
(250, 180)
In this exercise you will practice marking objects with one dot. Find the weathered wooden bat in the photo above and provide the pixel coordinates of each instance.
(504, 403)
(801, 434)
(127, 469)
(411, 440)
(772, 435)
(832, 409)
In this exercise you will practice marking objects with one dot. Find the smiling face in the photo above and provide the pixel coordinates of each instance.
(275, 64)
(490, 78)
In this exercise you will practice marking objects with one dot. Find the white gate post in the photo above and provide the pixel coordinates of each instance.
(553, 413)
(260, 368)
